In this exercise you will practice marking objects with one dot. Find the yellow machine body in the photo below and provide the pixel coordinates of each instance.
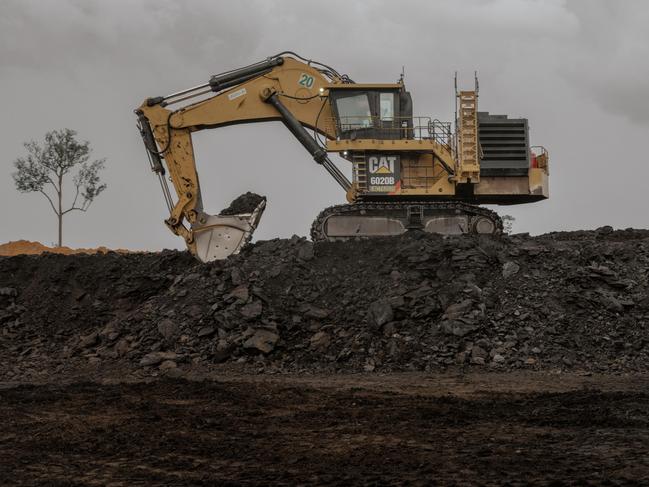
(394, 156)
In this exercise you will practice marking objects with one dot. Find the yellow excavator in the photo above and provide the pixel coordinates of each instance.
(408, 172)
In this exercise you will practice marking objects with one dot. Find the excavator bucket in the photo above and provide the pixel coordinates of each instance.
(219, 236)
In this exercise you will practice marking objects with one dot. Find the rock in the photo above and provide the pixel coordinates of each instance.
(5, 317)
(154, 358)
(478, 352)
(191, 277)
(473, 291)
(195, 311)
(222, 352)
(241, 293)
(458, 310)
(251, 310)
(611, 303)
(461, 357)
(369, 366)
(262, 340)
(477, 360)
(510, 268)
(305, 251)
(110, 332)
(380, 313)
(206, 331)
(498, 359)
(167, 329)
(320, 341)
(8, 291)
(173, 373)
(458, 328)
(389, 329)
(167, 364)
(393, 349)
(483, 343)
(311, 311)
(237, 277)
(122, 347)
(88, 341)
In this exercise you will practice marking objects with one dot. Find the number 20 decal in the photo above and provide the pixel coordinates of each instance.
(306, 80)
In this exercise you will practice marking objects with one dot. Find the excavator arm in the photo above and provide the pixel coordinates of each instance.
(283, 87)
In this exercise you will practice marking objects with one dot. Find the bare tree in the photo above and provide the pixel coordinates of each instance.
(46, 165)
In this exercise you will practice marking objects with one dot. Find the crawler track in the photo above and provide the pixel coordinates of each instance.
(398, 211)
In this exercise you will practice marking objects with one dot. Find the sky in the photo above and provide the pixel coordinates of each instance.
(576, 69)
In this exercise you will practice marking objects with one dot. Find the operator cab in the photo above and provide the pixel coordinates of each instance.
(374, 111)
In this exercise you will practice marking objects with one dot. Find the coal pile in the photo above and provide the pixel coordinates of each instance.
(246, 203)
(570, 301)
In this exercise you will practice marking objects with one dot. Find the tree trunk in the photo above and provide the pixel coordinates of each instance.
(60, 214)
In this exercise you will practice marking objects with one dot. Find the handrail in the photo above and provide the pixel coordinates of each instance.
(417, 128)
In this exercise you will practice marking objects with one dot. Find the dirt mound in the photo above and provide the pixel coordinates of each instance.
(418, 302)
(26, 247)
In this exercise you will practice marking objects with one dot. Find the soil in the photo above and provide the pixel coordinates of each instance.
(401, 429)
(26, 247)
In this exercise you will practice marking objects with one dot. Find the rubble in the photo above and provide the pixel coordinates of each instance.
(564, 301)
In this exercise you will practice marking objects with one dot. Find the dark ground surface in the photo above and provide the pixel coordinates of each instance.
(410, 429)
(415, 360)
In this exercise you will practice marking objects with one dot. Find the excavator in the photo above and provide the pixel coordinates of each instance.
(408, 172)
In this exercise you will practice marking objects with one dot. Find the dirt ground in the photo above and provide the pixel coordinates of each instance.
(26, 247)
(354, 429)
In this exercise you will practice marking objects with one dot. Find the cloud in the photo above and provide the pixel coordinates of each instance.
(66, 34)
(567, 65)
(608, 60)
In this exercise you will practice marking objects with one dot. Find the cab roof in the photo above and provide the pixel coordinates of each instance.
(366, 86)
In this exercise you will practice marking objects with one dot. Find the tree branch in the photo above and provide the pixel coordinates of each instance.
(74, 202)
(74, 208)
(76, 195)
(56, 188)
(50, 200)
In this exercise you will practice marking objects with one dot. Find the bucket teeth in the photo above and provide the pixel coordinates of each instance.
(217, 236)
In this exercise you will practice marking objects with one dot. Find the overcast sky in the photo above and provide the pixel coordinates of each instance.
(577, 69)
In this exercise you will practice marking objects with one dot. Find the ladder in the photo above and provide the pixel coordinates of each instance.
(360, 170)
(468, 156)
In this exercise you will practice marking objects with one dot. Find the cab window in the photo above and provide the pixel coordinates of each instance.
(354, 112)
(387, 107)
